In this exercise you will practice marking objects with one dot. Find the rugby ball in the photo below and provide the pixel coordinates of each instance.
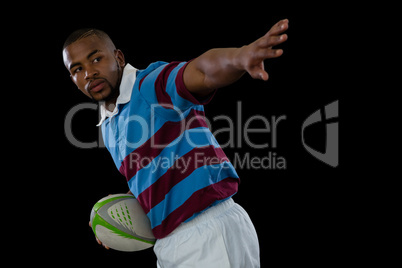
(120, 223)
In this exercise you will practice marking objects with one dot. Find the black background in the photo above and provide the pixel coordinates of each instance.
(301, 213)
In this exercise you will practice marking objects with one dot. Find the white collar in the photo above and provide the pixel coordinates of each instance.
(126, 88)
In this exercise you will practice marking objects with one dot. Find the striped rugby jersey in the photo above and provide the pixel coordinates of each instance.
(160, 141)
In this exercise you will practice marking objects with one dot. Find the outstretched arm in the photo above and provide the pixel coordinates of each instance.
(220, 67)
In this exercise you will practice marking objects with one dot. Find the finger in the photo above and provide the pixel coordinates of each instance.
(97, 240)
(270, 41)
(264, 75)
(274, 53)
(90, 225)
(259, 72)
(106, 247)
(279, 28)
(269, 53)
(259, 75)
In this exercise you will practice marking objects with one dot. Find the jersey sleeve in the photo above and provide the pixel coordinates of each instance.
(165, 86)
(183, 91)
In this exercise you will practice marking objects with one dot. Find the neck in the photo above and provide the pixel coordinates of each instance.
(110, 102)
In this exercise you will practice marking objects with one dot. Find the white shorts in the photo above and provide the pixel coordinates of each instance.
(223, 237)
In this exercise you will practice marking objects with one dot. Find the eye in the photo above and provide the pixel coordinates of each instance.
(96, 60)
(77, 70)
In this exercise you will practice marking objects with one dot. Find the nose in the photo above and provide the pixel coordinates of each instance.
(91, 74)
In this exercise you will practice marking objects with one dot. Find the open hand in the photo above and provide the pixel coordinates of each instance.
(253, 56)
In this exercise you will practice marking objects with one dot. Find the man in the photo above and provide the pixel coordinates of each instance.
(153, 125)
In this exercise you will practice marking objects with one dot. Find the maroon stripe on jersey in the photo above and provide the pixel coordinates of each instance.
(198, 201)
(181, 169)
(162, 138)
(160, 85)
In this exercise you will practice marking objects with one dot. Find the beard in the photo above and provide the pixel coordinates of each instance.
(113, 93)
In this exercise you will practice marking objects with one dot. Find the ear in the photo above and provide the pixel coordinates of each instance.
(119, 56)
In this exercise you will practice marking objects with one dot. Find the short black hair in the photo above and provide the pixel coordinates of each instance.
(85, 32)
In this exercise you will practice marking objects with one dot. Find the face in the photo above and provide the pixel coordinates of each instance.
(95, 66)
